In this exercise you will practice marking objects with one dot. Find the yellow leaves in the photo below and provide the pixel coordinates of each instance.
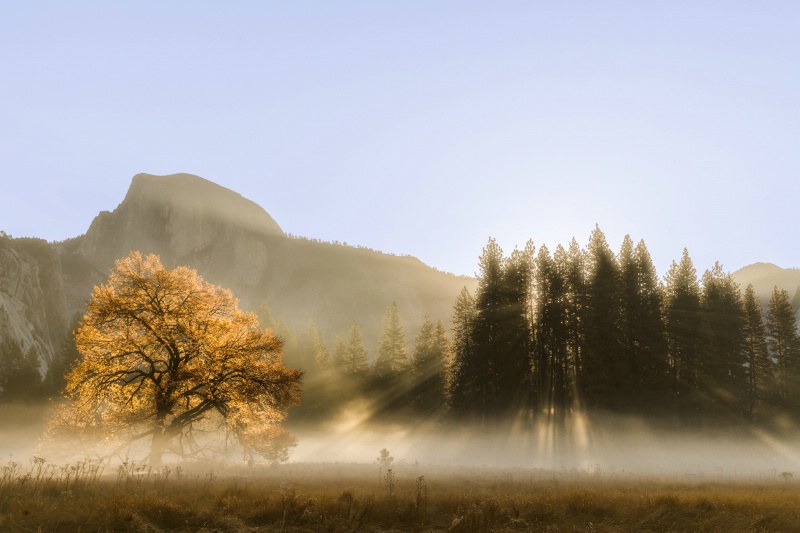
(164, 348)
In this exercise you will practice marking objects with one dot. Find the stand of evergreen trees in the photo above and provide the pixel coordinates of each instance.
(547, 335)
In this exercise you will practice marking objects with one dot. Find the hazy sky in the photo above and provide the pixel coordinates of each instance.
(418, 127)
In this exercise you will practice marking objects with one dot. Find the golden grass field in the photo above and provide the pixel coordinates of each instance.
(87, 497)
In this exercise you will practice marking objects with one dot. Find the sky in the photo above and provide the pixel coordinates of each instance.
(418, 127)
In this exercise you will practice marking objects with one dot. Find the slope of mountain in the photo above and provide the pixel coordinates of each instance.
(234, 243)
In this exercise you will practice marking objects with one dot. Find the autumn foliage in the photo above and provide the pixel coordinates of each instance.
(167, 356)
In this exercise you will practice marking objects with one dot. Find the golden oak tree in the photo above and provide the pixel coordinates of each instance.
(164, 355)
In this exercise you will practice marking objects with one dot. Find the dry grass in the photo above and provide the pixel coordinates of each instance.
(87, 497)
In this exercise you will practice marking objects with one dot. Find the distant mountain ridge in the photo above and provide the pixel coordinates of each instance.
(235, 243)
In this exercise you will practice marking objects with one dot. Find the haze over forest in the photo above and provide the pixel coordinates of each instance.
(536, 346)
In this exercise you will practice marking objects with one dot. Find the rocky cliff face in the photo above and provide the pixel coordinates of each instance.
(186, 220)
(178, 216)
(33, 308)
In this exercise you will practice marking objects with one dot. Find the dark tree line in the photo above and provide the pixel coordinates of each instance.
(546, 335)
(22, 378)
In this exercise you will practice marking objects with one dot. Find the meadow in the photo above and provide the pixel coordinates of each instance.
(723, 487)
(88, 496)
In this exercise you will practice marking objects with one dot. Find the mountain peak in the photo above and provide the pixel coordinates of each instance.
(185, 195)
(174, 216)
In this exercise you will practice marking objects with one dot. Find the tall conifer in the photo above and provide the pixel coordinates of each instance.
(487, 333)
(784, 347)
(606, 376)
(642, 330)
(515, 335)
(759, 366)
(354, 362)
(722, 361)
(322, 357)
(649, 334)
(573, 267)
(552, 368)
(632, 365)
(431, 353)
(683, 326)
(392, 355)
(462, 373)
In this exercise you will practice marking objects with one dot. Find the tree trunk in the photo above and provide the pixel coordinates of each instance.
(157, 447)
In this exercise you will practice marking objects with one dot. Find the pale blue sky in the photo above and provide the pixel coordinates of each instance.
(418, 127)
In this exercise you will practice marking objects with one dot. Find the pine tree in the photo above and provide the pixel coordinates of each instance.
(462, 378)
(442, 347)
(759, 366)
(354, 359)
(573, 267)
(390, 378)
(320, 387)
(422, 351)
(552, 368)
(683, 327)
(606, 376)
(722, 356)
(784, 347)
(632, 365)
(319, 349)
(514, 360)
(431, 353)
(296, 350)
(350, 370)
(392, 357)
(642, 329)
(486, 336)
(501, 334)
(649, 335)
(340, 354)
